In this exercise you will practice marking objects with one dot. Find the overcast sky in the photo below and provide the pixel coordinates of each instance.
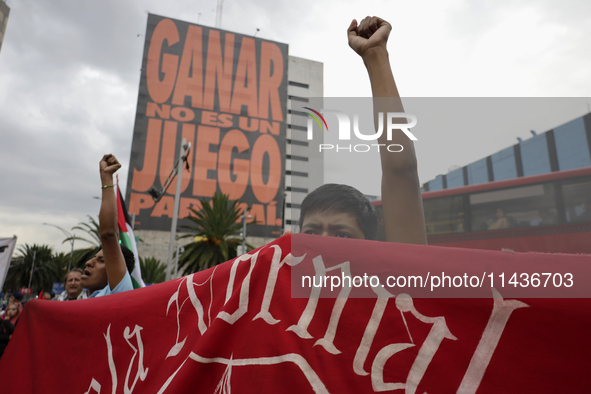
(69, 77)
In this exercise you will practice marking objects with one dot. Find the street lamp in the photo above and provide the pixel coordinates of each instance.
(243, 217)
(72, 238)
(157, 195)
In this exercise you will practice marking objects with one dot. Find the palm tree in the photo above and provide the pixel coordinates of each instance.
(61, 260)
(92, 229)
(215, 228)
(82, 255)
(45, 269)
(153, 271)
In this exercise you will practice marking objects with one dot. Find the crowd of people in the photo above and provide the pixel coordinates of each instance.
(331, 210)
(108, 272)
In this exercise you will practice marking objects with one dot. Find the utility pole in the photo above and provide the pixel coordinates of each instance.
(179, 250)
(32, 269)
(157, 195)
(244, 217)
(177, 201)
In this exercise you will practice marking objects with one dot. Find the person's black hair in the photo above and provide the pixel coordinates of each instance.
(342, 198)
(129, 258)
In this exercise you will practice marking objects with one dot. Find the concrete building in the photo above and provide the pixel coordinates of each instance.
(304, 167)
(4, 12)
(565, 147)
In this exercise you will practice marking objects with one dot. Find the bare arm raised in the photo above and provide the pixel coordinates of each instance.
(114, 260)
(401, 195)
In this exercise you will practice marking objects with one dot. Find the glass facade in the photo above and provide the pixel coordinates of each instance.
(504, 165)
(566, 147)
(572, 147)
(477, 172)
(455, 178)
(534, 155)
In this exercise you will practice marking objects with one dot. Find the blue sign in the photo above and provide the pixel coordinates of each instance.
(58, 287)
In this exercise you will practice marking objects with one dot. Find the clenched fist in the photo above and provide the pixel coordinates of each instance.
(371, 33)
(109, 165)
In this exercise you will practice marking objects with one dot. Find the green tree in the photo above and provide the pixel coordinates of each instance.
(45, 270)
(82, 255)
(60, 261)
(215, 230)
(153, 271)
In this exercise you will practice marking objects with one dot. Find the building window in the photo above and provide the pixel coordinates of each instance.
(296, 189)
(525, 206)
(577, 201)
(298, 84)
(299, 158)
(293, 112)
(295, 142)
(444, 215)
(296, 98)
(296, 173)
(296, 127)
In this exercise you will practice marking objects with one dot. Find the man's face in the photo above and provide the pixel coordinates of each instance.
(73, 286)
(95, 274)
(332, 224)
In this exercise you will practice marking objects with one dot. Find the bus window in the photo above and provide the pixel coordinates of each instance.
(577, 201)
(444, 215)
(518, 207)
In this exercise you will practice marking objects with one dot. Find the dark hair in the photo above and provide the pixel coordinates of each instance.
(129, 258)
(79, 270)
(18, 295)
(342, 198)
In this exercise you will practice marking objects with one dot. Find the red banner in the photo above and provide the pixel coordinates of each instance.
(235, 328)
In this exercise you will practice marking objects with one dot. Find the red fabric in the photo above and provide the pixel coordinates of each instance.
(187, 331)
(120, 212)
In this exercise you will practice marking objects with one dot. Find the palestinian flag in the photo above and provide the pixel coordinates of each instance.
(127, 239)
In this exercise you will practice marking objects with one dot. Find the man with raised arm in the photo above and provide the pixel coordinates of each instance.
(342, 211)
(107, 272)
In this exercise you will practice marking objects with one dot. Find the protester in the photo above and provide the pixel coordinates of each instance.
(108, 271)
(12, 314)
(8, 324)
(73, 287)
(14, 298)
(501, 221)
(342, 211)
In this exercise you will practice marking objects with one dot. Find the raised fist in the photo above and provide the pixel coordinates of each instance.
(109, 165)
(371, 32)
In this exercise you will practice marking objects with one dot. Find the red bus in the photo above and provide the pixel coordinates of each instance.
(543, 213)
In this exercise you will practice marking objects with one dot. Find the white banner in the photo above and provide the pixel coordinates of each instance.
(7, 246)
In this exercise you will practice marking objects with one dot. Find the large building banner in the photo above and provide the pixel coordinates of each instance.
(226, 93)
